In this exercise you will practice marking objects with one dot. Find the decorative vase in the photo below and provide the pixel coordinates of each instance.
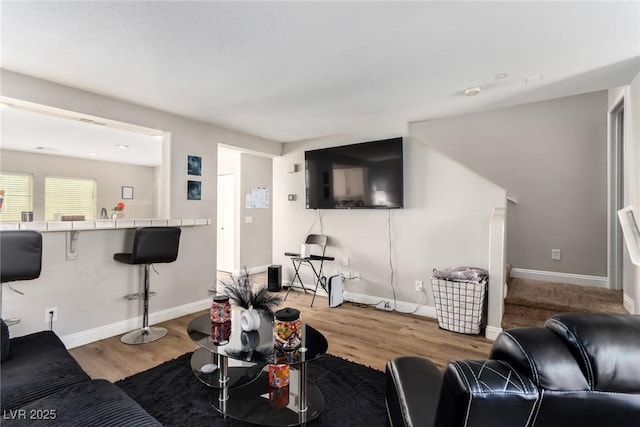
(250, 320)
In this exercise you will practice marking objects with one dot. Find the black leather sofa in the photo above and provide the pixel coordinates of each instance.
(578, 370)
(40, 382)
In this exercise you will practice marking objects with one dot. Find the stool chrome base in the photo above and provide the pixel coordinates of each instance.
(144, 335)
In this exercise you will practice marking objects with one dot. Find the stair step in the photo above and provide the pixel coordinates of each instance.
(511, 320)
(534, 313)
(562, 297)
(532, 302)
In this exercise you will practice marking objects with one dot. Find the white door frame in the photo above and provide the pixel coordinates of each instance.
(615, 167)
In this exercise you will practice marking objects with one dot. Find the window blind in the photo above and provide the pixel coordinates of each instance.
(18, 195)
(70, 196)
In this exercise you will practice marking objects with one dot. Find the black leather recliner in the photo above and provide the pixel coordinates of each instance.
(580, 369)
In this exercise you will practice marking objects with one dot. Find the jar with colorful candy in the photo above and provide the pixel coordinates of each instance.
(220, 309)
(287, 329)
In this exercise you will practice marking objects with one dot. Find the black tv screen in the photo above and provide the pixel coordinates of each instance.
(357, 176)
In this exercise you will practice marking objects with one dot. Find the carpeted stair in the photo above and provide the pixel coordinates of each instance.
(531, 302)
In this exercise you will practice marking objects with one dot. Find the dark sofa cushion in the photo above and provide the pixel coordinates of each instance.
(6, 343)
(605, 346)
(95, 403)
(39, 365)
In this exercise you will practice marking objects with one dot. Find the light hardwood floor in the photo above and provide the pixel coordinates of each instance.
(358, 333)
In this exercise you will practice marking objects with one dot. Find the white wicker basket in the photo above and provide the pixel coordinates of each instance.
(460, 306)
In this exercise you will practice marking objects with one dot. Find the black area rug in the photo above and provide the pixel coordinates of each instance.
(353, 394)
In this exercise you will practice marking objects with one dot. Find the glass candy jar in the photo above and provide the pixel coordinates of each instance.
(221, 309)
(287, 329)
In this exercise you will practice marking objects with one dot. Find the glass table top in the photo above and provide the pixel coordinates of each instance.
(255, 346)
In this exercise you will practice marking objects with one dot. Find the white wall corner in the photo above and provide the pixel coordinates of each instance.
(497, 263)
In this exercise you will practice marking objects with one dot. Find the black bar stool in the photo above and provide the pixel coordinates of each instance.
(151, 245)
(20, 259)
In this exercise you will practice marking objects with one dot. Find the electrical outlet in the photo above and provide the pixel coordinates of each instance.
(47, 314)
(345, 261)
(419, 286)
(555, 254)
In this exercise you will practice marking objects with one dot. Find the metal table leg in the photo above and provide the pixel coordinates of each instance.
(302, 387)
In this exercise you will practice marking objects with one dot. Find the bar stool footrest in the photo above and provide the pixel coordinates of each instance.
(144, 335)
(138, 295)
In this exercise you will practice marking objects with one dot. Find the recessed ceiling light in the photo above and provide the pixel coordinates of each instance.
(472, 91)
(122, 146)
(93, 154)
(502, 76)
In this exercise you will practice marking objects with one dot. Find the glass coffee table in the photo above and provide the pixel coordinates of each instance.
(234, 364)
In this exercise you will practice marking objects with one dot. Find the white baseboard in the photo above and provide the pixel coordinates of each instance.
(400, 306)
(251, 270)
(91, 335)
(492, 332)
(552, 276)
(628, 304)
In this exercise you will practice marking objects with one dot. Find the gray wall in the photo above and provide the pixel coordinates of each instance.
(110, 178)
(552, 157)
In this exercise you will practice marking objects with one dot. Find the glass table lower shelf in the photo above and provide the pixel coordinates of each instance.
(258, 403)
(239, 372)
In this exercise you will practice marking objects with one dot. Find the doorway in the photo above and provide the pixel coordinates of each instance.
(226, 222)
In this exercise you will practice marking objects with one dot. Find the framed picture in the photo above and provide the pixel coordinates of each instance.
(194, 165)
(127, 193)
(194, 190)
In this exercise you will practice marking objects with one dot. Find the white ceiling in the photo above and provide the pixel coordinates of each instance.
(297, 70)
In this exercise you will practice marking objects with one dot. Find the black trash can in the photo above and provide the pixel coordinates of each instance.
(274, 278)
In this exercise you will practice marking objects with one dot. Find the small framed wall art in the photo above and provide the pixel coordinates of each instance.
(127, 193)
(194, 190)
(194, 165)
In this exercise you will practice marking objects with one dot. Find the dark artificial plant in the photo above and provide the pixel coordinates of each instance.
(241, 293)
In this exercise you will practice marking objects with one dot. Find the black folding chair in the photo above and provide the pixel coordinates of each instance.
(317, 241)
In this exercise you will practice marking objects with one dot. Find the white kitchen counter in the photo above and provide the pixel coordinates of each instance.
(104, 224)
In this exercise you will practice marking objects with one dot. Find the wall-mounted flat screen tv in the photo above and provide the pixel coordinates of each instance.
(368, 175)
